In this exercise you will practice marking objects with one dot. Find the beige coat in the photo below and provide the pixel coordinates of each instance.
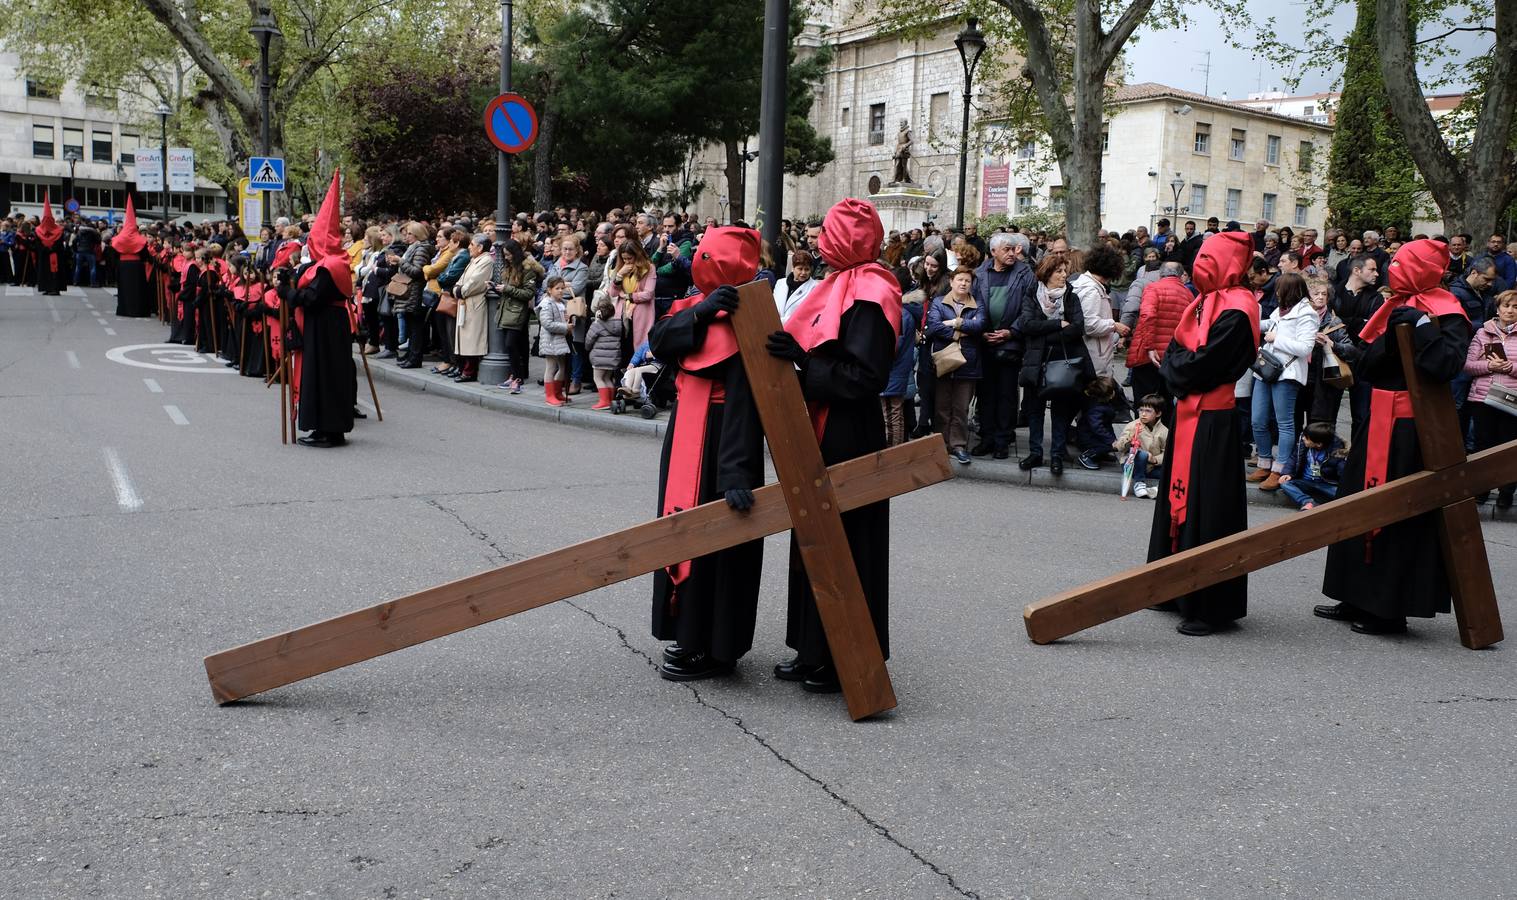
(471, 337)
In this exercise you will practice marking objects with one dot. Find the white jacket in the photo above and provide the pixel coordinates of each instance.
(1100, 327)
(787, 301)
(1295, 336)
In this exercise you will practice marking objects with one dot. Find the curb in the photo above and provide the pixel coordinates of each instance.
(1105, 481)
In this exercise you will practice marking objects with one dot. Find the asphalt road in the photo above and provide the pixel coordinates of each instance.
(152, 517)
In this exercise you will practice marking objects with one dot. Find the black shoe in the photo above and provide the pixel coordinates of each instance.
(1030, 462)
(1002, 453)
(694, 668)
(1338, 612)
(824, 680)
(1056, 466)
(359, 414)
(674, 653)
(981, 449)
(409, 365)
(794, 670)
(315, 439)
(465, 379)
(1088, 460)
(1195, 628)
(921, 432)
(1376, 625)
(1504, 499)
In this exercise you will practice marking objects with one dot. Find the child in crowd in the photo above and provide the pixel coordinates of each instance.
(642, 364)
(603, 343)
(1150, 437)
(553, 341)
(1096, 434)
(1319, 462)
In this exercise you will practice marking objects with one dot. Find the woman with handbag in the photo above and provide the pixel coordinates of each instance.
(1290, 336)
(1490, 362)
(1331, 369)
(954, 324)
(930, 273)
(406, 287)
(471, 337)
(381, 279)
(1055, 365)
(453, 257)
(631, 287)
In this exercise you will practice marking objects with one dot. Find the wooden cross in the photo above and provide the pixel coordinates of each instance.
(808, 500)
(1447, 486)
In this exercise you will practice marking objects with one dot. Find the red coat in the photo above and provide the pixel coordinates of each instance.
(1164, 301)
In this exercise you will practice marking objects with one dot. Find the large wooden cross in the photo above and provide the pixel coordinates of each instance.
(808, 500)
(1447, 486)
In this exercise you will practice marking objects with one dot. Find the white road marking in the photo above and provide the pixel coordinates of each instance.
(98, 316)
(168, 358)
(152, 386)
(73, 359)
(111, 332)
(14, 291)
(175, 415)
(126, 495)
(56, 316)
(89, 305)
(73, 290)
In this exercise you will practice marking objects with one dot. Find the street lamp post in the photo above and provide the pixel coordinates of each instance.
(1177, 184)
(72, 159)
(264, 29)
(771, 153)
(495, 366)
(163, 159)
(971, 43)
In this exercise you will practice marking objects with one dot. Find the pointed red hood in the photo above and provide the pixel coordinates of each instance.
(1416, 278)
(325, 242)
(850, 244)
(1218, 275)
(48, 230)
(129, 241)
(724, 256)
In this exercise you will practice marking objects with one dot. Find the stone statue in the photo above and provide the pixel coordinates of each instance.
(902, 155)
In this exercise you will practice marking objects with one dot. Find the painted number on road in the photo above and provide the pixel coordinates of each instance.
(167, 358)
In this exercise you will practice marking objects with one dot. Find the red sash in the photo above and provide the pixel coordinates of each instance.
(1386, 407)
(682, 487)
(1188, 411)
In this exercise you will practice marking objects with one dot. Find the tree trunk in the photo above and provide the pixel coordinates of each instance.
(542, 158)
(1475, 189)
(1082, 168)
(735, 186)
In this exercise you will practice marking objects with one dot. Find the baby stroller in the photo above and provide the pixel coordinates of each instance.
(655, 390)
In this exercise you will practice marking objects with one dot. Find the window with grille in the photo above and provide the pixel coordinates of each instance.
(1267, 207)
(1197, 199)
(1238, 145)
(1234, 203)
(1272, 150)
(877, 123)
(1203, 139)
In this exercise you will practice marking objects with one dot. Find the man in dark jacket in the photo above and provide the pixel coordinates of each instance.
(1003, 283)
(1476, 288)
(1355, 300)
(86, 254)
(1189, 246)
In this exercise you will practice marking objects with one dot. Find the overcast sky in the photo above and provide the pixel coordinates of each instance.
(1177, 58)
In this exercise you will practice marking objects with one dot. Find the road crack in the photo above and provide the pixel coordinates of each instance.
(500, 552)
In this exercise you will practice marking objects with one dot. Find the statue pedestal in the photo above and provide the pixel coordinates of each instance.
(903, 206)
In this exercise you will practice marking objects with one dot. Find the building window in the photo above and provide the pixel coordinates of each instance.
(73, 140)
(1234, 203)
(1308, 110)
(1272, 150)
(1238, 144)
(1300, 219)
(1267, 210)
(129, 145)
(877, 123)
(1026, 150)
(1105, 140)
(41, 89)
(846, 113)
(1056, 198)
(1197, 199)
(1024, 201)
(100, 147)
(42, 141)
(1304, 161)
(1101, 198)
(1203, 139)
(937, 114)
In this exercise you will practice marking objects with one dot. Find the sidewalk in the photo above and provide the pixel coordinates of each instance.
(530, 404)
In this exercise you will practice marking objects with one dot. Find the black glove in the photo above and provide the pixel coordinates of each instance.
(723, 299)
(1407, 314)
(783, 345)
(740, 499)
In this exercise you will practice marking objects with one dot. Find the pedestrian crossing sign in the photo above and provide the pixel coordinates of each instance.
(266, 173)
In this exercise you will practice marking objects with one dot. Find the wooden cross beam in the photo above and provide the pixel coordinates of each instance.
(1446, 486)
(384, 628)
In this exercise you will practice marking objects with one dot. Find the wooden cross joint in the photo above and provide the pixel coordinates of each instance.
(809, 499)
(1446, 486)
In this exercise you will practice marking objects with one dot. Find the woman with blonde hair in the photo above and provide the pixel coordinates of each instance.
(631, 285)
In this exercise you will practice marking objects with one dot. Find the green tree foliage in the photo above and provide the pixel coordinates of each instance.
(1372, 181)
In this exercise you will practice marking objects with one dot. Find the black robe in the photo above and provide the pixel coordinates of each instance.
(207, 286)
(182, 312)
(848, 374)
(250, 341)
(1404, 575)
(718, 602)
(328, 377)
(132, 297)
(1217, 505)
(51, 268)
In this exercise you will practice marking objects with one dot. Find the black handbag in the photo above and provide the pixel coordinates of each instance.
(1061, 378)
(1267, 366)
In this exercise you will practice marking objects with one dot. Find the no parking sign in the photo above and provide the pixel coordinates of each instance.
(510, 123)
